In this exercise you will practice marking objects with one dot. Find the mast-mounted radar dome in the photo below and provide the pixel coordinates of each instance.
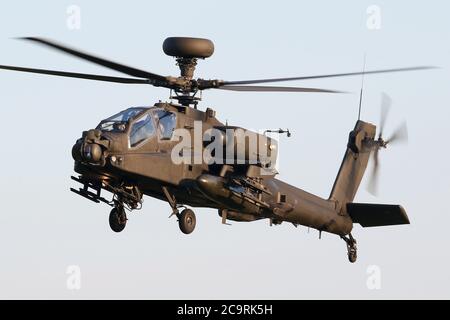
(183, 47)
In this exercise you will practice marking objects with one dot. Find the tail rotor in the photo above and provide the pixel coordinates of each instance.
(399, 136)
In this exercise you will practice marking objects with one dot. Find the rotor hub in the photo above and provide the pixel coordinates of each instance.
(381, 143)
(187, 66)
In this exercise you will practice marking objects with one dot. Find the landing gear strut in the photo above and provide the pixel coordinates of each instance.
(124, 196)
(186, 219)
(351, 248)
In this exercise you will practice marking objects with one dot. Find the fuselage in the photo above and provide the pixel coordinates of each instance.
(146, 161)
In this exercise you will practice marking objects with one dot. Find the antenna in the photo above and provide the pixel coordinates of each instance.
(362, 86)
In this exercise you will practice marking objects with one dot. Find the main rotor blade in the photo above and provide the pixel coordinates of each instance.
(372, 185)
(326, 75)
(276, 89)
(386, 103)
(77, 75)
(400, 135)
(103, 62)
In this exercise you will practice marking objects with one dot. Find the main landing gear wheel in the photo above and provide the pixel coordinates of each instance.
(186, 221)
(117, 219)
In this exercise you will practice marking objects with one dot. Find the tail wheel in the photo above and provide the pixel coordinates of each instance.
(351, 248)
(352, 255)
(186, 221)
(117, 219)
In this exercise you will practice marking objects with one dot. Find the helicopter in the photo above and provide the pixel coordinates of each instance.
(137, 152)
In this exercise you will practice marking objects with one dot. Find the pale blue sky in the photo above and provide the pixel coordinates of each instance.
(46, 228)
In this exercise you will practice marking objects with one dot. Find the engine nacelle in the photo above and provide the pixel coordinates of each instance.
(241, 146)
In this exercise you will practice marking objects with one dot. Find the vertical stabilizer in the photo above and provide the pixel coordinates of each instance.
(354, 163)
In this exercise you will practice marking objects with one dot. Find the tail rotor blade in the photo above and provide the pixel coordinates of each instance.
(372, 185)
(400, 135)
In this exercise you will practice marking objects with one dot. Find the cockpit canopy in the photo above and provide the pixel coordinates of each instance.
(118, 122)
(141, 124)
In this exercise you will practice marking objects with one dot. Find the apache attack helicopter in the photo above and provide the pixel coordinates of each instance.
(130, 154)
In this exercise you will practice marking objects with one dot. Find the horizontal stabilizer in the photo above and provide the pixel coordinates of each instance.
(377, 215)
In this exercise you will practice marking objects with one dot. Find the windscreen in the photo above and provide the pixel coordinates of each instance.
(118, 122)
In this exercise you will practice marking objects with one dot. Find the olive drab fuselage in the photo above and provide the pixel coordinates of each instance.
(149, 167)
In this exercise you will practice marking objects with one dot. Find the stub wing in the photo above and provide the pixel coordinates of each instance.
(377, 215)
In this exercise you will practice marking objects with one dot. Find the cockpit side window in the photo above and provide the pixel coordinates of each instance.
(166, 122)
(141, 130)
